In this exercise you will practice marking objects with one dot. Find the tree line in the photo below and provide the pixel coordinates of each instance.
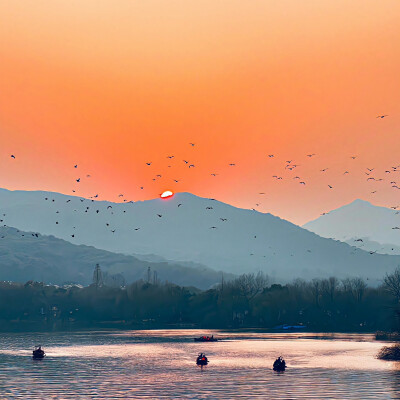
(248, 301)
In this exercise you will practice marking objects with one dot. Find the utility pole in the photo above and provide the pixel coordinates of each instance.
(154, 277)
(97, 276)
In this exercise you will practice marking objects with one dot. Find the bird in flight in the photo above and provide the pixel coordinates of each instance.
(159, 215)
(192, 144)
(148, 163)
(191, 166)
(330, 187)
(170, 157)
(12, 156)
(311, 155)
(232, 164)
(382, 116)
(323, 170)
(213, 227)
(78, 180)
(270, 155)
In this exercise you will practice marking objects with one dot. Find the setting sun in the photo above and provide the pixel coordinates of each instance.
(166, 194)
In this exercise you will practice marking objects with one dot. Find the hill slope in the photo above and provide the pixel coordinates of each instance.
(192, 229)
(25, 256)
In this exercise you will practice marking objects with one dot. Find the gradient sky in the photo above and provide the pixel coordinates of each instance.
(112, 85)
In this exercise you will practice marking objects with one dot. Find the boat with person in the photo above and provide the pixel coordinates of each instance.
(38, 353)
(202, 360)
(279, 364)
(206, 339)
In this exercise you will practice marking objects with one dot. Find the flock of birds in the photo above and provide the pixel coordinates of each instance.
(289, 167)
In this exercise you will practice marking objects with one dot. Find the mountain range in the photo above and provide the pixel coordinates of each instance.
(28, 256)
(189, 229)
(363, 224)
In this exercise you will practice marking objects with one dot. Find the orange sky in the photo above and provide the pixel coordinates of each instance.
(113, 85)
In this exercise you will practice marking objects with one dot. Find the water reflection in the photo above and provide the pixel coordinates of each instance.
(161, 364)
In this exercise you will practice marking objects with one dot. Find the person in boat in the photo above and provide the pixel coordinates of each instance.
(38, 352)
(279, 364)
(201, 359)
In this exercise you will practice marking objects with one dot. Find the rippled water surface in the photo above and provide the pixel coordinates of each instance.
(161, 365)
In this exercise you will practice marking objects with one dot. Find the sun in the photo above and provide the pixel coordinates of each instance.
(166, 194)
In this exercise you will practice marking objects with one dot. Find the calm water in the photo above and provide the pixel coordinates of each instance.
(161, 365)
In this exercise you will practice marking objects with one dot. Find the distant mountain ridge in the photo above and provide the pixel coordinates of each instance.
(378, 227)
(192, 229)
(28, 256)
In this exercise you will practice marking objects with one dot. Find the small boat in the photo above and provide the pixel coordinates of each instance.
(38, 353)
(279, 365)
(206, 339)
(201, 360)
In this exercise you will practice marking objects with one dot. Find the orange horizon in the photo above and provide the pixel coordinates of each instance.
(111, 87)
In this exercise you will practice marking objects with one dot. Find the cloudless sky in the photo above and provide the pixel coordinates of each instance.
(111, 85)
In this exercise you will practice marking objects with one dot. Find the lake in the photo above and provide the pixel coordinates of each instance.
(160, 364)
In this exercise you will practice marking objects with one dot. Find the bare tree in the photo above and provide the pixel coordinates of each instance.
(249, 285)
(316, 290)
(358, 286)
(333, 285)
(391, 282)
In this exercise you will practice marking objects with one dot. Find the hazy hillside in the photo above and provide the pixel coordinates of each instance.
(25, 256)
(361, 220)
(192, 229)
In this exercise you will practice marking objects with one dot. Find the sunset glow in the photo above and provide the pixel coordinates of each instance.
(111, 88)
